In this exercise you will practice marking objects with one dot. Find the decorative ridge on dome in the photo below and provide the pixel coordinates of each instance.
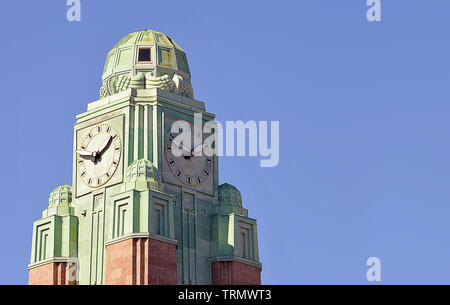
(229, 194)
(60, 202)
(142, 175)
(145, 60)
(143, 36)
(61, 195)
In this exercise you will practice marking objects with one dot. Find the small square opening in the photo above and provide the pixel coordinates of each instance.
(144, 55)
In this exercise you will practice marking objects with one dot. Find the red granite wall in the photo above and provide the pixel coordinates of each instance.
(235, 273)
(49, 274)
(141, 261)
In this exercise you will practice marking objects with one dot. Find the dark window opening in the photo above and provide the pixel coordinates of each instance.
(144, 54)
(244, 244)
(158, 222)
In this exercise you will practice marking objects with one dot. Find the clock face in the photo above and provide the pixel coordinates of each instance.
(188, 164)
(98, 155)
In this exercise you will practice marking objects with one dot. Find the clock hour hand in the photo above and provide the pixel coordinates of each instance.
(86, 154)
(104, 145)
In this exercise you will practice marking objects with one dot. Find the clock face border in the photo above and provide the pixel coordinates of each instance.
(88, 132)
(168, 176)
(211, 170)
(115, 119)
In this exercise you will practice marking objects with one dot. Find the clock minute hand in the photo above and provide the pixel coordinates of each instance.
(198, 149)
(104, 145)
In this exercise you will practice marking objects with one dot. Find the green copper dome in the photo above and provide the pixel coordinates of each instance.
(229, 194)
(140, 58)
(61, 196)
(60, 202)
(141, 174)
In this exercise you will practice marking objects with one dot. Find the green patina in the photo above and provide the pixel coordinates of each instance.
(208, 223)
(140, 53)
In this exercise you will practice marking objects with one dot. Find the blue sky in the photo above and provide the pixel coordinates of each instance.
(363, 110)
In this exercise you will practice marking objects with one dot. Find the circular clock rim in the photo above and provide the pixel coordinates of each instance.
(120, 155)
(181, 180)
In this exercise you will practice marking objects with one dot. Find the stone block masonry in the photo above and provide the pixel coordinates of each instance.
(141, 261)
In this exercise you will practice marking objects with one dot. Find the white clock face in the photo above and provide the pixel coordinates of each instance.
(98, 155)
(189, 167)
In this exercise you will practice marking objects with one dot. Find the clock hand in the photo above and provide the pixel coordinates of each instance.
(87, 154)
(104, 145)
(198, 149)
(181, 146)
(84, 153)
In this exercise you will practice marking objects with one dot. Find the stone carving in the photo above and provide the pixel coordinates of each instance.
(163, 82)
(142, 175)
(108, 88)
(183, 86)
(177, 84)
(103, 91)
(116, 85)
(127, 81)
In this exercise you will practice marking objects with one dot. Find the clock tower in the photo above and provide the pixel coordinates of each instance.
(143, 207)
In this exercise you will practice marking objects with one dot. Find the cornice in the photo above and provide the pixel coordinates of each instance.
(235, 259)
(142, 235)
